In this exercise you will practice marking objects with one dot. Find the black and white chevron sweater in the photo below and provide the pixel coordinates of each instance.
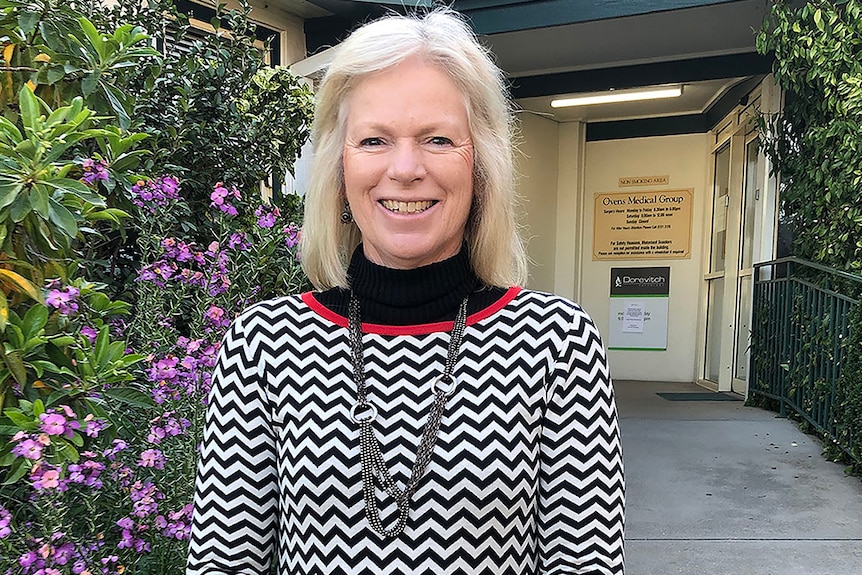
(526, 477)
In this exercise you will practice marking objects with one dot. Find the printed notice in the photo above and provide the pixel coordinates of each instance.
(633, 318)
(642, 225)
(644, 181)
(638, 310)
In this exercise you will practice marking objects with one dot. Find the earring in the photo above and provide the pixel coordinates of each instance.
(346, 214)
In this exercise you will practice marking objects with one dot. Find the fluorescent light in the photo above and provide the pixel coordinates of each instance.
(619, 96)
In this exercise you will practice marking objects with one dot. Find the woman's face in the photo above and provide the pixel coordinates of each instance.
(408, 164)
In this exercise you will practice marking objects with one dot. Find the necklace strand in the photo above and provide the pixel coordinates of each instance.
(364, 413)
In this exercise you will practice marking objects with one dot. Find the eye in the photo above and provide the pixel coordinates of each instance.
(440, 141)
(371, 142)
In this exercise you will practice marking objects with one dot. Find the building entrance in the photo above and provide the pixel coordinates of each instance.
(738, 178)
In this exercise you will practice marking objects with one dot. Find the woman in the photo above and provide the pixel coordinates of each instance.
(417, 415)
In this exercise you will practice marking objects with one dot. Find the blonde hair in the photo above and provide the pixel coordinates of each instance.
(442, 38)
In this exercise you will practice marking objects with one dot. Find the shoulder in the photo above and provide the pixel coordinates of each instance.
(271, 312)
(548, 304)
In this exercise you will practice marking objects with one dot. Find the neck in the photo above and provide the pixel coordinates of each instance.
(424, 295)
(421, 295)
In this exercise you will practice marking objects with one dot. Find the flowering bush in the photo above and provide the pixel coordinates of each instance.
(102, 397)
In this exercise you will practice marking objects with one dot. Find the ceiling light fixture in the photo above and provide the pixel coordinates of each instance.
(612, 96)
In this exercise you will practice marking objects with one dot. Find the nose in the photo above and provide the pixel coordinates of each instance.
(406, 163)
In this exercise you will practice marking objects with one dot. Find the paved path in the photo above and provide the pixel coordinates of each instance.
(717, 488)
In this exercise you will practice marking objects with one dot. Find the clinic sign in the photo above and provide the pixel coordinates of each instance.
(642, 225)
(638, 308)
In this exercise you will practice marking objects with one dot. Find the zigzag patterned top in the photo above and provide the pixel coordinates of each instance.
(526, 477)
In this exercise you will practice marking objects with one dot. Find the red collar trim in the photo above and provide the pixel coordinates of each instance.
(419, 329)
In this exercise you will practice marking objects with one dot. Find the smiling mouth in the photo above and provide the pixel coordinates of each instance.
(407, 207)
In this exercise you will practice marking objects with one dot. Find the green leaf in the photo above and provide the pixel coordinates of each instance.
(9, 190)
(22, 421)
(56, 396)
(34, 320)
(129, 396)
(112, 214)
(78, 189)
(62, 218)
(41, 366)
(55, 74)
(62, 340)
(4, 312)
(66, 450)
(101, 346)
(39, 200)
(29, 106)
(20, 208)
(53, 36)
(28, 20)
(18, 470)
(90, 82)
(11, 131)
(94, 36)
(38, 408)
(77, 439)
(115, 98)
(16, 367)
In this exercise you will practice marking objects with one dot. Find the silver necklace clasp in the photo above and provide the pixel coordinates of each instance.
(445, 383)
(370, 413)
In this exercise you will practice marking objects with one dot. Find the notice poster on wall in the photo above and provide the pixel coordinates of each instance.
(638, 309)
(642, 225)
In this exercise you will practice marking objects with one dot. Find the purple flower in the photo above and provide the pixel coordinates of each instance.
(237, 241)
(94, 426)
(164, 369)
(63, 553)
(50, 479)
(154, 194)
(111, 452)
(218, 198)
(28, 559)
(29, 449)
(144, 496)
(90, 333)
(291, 235)
(5, 522)
(126, 523)
(217, 317)
(152, 458)
(94, 171)
(266, 216)
(53, 423)
(63, 299)
(266, 221)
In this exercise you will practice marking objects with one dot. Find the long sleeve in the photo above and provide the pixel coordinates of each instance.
(236, 495)
(582, 491)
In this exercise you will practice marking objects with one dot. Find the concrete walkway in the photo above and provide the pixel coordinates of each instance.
(717, 488)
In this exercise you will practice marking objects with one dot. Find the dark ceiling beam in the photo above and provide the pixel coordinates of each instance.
(620, 77)
(673, 125)
(499, 16)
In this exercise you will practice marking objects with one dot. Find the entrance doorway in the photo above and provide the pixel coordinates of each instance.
(738, 178)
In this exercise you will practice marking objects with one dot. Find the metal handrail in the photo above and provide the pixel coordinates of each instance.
(798, 334)
(810, 264)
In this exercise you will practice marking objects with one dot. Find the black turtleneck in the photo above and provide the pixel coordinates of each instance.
(426, 294)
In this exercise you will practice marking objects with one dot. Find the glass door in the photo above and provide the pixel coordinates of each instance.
(750, 197)
(716, 274)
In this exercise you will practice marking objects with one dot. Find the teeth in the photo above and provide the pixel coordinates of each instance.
(406, 207)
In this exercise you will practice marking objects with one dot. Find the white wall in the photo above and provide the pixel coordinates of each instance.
(536, 163)
(684, 159)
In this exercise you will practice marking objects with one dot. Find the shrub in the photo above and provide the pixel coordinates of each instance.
(117, 237)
